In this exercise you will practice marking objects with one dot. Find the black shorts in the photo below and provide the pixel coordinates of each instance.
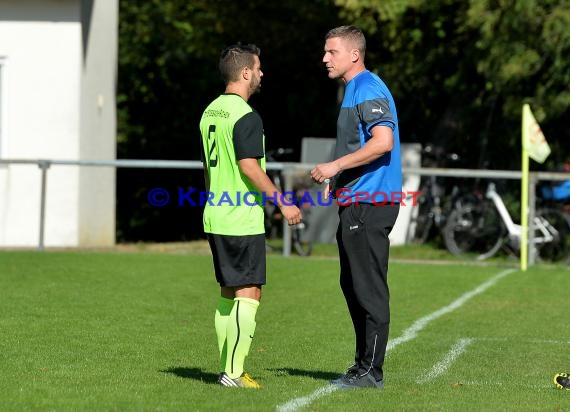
(238, 260)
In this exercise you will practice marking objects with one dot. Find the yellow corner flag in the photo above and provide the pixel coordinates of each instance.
(535, 146)
(534, 142)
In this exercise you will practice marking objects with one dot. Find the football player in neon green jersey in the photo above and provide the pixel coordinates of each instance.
(233, 153)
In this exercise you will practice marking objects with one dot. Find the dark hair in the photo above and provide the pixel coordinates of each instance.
(351, 33)
(234, 58)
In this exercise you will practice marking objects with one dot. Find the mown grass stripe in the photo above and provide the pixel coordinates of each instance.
(421, 323)
(408, 335)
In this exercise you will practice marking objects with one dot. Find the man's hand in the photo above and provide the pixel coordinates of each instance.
(325, 171)
(292, 214)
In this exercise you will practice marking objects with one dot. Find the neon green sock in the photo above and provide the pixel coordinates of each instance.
(241, 327)
(221, 322)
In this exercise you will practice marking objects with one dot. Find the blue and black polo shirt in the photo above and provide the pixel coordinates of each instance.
(367, 103)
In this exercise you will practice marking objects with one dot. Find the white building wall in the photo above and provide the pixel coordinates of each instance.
(98, 126)
(43, 93)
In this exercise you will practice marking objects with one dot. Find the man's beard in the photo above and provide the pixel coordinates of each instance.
(255, 87)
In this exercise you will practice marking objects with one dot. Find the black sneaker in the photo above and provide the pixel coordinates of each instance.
(359, 382)
(562, 381)
(350, 372)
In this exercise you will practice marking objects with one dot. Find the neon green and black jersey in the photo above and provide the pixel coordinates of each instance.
(231, 130)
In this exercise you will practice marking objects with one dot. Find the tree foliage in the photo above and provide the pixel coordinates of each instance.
(168, 57)
(460, 71)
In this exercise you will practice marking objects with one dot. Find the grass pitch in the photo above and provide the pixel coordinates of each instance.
(134, 332)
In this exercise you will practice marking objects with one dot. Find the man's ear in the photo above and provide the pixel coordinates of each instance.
(245, 73)
(355, 55)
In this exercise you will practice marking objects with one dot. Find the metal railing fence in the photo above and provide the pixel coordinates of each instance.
(288, 170)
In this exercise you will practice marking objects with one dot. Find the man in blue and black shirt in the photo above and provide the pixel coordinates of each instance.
(366, 178)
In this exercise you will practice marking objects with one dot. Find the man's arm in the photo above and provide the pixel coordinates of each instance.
(250, 167)
(381, 142)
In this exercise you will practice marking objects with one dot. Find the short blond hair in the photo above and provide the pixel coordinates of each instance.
(351, 33)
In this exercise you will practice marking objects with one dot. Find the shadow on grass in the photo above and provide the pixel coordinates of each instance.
(326, 376)
(193, 373)
(212, 378)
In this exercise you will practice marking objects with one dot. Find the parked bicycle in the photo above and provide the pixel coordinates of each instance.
(556, 194)
(433, 205)
(485, 227)
(300, 242)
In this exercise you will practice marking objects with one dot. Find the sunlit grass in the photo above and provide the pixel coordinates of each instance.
(134, 331)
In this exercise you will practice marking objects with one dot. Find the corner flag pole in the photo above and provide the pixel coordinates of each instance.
(535, 146)
(524, 192)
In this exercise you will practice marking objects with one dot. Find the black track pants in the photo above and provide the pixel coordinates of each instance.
(363, 244)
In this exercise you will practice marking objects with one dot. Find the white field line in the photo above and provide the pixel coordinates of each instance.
(297, 403)
(444, 364)
(421, 323)
(460, 347)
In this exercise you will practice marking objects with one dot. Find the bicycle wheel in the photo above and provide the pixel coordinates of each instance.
(302, 246)
(558, 226)
(475, 229)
